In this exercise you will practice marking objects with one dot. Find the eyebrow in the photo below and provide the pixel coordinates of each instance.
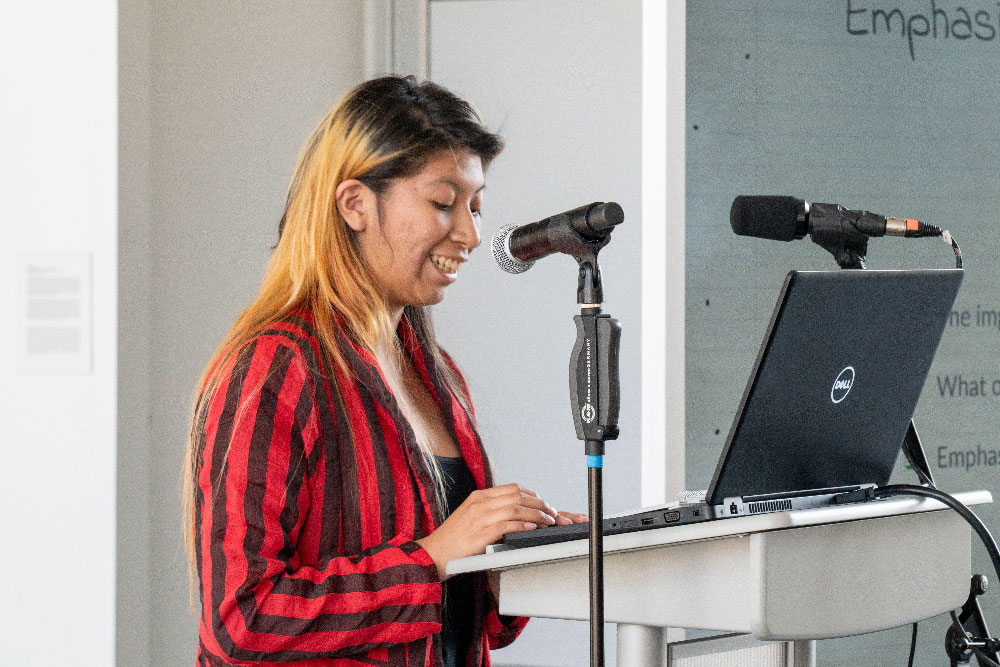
(455, 185)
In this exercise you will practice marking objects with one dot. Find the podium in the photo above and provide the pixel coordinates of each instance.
(799, 576)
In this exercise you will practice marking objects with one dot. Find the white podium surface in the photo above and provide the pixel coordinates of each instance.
(810, 574)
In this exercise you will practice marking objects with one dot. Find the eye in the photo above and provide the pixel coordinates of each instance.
(441, 207)
(477, 212)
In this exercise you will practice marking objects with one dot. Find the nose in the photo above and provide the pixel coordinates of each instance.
(466, 230)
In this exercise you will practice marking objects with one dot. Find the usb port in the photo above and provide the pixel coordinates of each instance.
(670, 517)
(648, 521)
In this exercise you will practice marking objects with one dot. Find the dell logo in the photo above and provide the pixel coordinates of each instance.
(842, 385)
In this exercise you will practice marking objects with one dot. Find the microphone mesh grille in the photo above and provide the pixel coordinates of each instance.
(502, 254)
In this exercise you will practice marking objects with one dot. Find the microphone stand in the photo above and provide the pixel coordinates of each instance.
(595, 398)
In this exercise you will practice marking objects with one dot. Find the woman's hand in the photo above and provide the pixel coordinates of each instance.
(566, 518)
(562, 519)
(485, 517)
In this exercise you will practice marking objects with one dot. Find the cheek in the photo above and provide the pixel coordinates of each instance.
(372, 253)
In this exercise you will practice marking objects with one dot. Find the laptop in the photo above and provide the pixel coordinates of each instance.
(824, 413)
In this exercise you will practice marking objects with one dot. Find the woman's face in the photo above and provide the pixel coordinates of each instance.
(417, 235)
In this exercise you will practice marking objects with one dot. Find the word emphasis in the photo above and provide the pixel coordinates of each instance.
(936, 22)
(968, 458)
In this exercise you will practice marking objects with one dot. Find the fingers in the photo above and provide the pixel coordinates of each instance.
(501, 528)
(567, 518)
(513, 495)
(502, 513)
(491, 513)
(516, 494)
(529, 514)
(510, 490)
(515, 527)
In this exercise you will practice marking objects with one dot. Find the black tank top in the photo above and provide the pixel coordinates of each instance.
(459, 595)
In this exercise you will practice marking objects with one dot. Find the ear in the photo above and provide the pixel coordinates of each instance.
(355, 202)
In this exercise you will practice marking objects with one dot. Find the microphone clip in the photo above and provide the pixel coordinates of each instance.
(589, 288)
(566, 239)
(844, 233)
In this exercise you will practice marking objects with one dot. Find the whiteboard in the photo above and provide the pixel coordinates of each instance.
(882, 106)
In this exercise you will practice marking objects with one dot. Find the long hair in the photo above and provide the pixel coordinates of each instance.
(382, 130)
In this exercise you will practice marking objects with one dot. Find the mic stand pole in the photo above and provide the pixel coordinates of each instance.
(594, 389)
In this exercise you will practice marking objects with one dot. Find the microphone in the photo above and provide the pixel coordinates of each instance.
(516, 248)
(788, 218)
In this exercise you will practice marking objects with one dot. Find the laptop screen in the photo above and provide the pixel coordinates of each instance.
(836, 381)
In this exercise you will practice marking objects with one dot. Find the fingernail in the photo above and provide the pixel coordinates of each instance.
(530, 526)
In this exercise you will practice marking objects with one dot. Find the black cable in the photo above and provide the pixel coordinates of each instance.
(963, 511)
(950, 240)
(958, 251)
(913, 646)
(977, 525)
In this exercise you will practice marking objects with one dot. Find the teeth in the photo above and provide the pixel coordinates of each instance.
(449, 265)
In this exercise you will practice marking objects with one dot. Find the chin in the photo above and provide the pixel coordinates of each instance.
(426, 300)
(437, 297)
(433, 301)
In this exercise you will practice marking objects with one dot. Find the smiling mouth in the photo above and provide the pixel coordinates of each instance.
(445, 264)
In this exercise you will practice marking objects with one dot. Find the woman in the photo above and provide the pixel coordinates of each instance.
(334, 467)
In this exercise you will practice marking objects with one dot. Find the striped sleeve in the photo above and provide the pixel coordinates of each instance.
(501, 630)
(466, 394)
(261, 605)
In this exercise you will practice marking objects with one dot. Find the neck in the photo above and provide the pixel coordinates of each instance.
(395, 315)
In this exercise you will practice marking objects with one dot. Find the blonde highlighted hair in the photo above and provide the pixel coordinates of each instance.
(382, 130)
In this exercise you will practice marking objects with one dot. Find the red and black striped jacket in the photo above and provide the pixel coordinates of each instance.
(310, 495)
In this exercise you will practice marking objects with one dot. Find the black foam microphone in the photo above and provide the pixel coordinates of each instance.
(516, 248)
(843, 232)
(788, 218)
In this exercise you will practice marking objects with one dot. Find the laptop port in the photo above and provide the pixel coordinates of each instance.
(670, 517)
(648, 521)
(732, 508)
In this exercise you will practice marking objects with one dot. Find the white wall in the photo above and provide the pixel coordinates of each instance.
(217, 100)
(133, 592)
(664, 53)
(568, 101)
(58, 185)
